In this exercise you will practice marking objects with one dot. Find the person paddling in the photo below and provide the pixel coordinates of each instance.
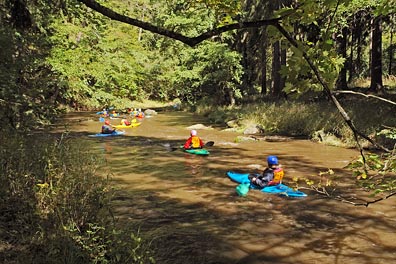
(125, 122)
(107, 128)
(272, 175)
(193, 141)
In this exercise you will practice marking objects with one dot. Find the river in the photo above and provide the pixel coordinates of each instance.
(190, 208)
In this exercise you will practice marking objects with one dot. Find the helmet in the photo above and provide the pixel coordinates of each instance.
(107, 122)
(272, 160)
(193, 132)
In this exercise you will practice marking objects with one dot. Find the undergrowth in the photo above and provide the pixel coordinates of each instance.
(55, 206)
(316, 120)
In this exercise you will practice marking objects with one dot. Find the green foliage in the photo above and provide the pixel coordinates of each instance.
(325, 182)
(28, 89)
(102, 58)
(210, 69)
(376, 172)
(224, 11)
(61, 202)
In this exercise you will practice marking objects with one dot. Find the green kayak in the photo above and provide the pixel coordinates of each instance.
(203, 152)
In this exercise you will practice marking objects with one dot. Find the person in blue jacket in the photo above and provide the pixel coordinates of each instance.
(272, 175)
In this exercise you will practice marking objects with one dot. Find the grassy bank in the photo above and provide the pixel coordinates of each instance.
(316, 120)
(55, 206)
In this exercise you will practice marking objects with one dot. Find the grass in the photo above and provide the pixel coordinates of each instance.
(389, 82)
(316, 120)
(55, 206)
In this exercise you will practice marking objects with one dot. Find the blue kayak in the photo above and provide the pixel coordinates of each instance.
(115, 133)
(280, 189)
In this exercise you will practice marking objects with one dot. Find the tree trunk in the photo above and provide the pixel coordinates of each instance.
(276, 65)
(283, 63)
(20, 15)
(264, 63)
(376, 55)
(390, 53)
(350, 65)
(342, 49)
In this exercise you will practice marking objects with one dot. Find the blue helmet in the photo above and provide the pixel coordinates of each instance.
(272, 160)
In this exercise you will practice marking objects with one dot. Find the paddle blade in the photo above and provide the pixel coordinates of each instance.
(209, 144)
(171, 148)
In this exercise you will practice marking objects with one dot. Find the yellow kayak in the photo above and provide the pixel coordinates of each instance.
(135, 124)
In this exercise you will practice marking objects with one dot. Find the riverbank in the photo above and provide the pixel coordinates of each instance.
(315, 120)
(55, 204)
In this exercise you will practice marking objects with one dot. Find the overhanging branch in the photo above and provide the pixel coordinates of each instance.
(191, 41)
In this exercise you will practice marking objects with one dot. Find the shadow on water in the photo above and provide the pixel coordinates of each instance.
(189, 207)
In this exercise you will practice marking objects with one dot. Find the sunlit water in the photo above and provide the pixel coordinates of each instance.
(188, 200)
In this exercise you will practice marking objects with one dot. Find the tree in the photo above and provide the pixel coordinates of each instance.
(376, 55)
(342, 49)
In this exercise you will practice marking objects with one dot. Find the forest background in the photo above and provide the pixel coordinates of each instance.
(317, 69)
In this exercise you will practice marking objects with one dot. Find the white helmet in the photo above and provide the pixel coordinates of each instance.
(193, 132)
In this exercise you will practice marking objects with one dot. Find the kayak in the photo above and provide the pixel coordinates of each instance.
(202, 152)
(134, 124)
(115, 133)
(280, 189)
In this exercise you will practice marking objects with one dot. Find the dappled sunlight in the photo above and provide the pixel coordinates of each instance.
(188, 207)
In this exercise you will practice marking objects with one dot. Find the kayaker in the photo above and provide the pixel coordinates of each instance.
(107, 128)
(125, 122)
(193, 141)
(140, 113)
(272, 175)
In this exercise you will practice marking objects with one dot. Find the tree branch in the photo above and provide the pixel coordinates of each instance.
(366, 204)
(365, 95)
(191, 41)
(346, 200)
(326, 88)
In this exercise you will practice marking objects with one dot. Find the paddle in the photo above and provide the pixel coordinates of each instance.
(208, 144)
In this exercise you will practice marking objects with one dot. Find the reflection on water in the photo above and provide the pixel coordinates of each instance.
(190, 202)
(193, 163)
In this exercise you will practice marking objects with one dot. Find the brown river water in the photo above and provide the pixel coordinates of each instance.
(189, 206)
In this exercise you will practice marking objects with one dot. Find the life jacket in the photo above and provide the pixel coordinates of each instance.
(195, 142)
(125, 122)
(278, 176)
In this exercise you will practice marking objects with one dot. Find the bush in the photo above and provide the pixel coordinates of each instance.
(55, 203)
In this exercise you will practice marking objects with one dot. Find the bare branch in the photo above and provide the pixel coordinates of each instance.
(365, 95)
(347, 200)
